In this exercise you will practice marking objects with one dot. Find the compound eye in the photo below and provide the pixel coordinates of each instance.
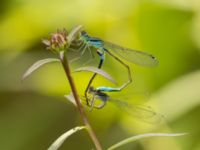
(83, 33)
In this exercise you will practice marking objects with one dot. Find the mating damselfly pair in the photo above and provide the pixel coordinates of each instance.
(88, 43)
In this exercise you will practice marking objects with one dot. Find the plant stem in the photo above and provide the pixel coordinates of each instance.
(66, 68)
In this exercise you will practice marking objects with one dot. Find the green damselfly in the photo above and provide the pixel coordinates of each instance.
(102, 47)
(142, 112)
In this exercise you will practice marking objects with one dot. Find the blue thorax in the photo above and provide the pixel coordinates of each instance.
(92, 41)
(95, 43)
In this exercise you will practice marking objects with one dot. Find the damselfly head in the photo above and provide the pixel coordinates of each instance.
(83, 33)
(92, 90)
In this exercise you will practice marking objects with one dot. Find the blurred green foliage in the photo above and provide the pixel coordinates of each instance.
(34, 114)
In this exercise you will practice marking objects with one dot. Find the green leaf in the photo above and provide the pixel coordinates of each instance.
(38, 64)
(59, 141)
(98, 71)
(70, 98)
(73, 34)
(182, 92)
(138, 137)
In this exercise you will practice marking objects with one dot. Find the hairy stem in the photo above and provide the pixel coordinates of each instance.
(66, 68)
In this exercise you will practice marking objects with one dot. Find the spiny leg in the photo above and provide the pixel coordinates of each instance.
(78, 43)
(74, 46)
(84, 47)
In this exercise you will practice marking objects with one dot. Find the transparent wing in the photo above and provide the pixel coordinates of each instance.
(134, 56)
(141, 112)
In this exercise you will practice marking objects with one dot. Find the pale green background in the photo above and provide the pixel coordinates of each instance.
(34, 114)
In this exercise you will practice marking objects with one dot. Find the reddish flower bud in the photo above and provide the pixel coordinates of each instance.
(57, 41)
